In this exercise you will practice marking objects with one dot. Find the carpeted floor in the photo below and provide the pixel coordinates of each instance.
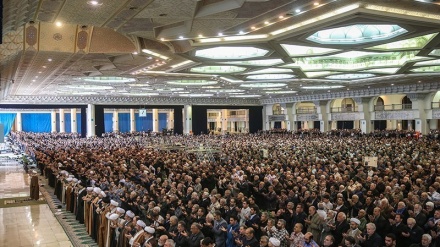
(75, 231)
(20, 202)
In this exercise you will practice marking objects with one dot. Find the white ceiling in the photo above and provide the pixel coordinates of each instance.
(214, 49)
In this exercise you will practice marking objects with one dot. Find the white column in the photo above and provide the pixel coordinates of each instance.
(267, 111)
(289, 119)
(322, 108)
(433, 124)
(18, 124)
(132, 121)
(418, 103)
(62, 119)
(364, 123)
(115, 121)
(156, 120)
(170, 120)
(224, 118)
(53, 120)
(91, 120)
(246, 124)
(73, 121)
(187, 114)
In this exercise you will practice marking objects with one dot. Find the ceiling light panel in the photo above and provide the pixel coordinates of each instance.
(435, 52)
(349, 76)
(357, 34)
(348, 62)
(322, 87)
(109, 79)
(231, 52)
(298, 50)
(269, 70)
(413, 43)
(431, 62)
(383, 70)
(89, 87)
(270, 77)
(263, 85)
(197, 95)
(191, 82)
(217, 69)
(246, 96)
(427, 69)
(224, 90)
(265, 62)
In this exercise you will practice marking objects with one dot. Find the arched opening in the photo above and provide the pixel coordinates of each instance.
(379, 106)
(407, 105)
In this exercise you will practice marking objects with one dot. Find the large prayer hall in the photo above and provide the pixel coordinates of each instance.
(227, 123)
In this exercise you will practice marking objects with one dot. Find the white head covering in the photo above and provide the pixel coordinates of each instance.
(355, 221)
(75, 180)
(120, 210)
(113, 217)
(89, 188)
(103, 194)
(129, 214)
(69, 179)
(97, 190)
(149, 229)
(141, 223)
(114, 203)
(275, 242)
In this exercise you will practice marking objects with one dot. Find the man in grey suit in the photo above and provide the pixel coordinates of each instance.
(219, 229)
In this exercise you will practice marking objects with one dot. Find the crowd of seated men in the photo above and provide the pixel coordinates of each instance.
(309, 191)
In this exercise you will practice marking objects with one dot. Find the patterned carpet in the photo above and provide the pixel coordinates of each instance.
(20, 202)
(74, 230)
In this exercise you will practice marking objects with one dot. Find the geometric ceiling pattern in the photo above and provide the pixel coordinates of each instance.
(216, 48)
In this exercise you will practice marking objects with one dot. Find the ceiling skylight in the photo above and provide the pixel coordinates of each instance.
(217, 69)
(435, 52)
(89, 87)
(349, 76)
(298, 50)
(281, 92)
(427, 69)
(231, 52)
(413, 43)
(322, 87)
(432, 62)
(263, 85)
(388, 59)
(191, 82)
(265, 62)
(269, 70)
(224, 90)
(357, 34)
(246, 96)
(270, 77)
(383, 70)
(197, 95)
(109, 79)
(141, 94)
(319, 73)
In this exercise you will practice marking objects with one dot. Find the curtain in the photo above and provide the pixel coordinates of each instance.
(36, 122)
(7, 119)
(78, 122)
(124, 122)
(162, 121)
(144, 123)
(67, 123)
(108, 122)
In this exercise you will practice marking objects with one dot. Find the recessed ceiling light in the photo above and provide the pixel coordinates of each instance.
(50, 60)
(200, 35)
(266, 22)
(220, 34)
(162, 39)
(241, 32)
(297, 10)
(392, 84)
(253, 28)
(316, 3)
(58, 23)
(94, 3)
(135, 53)
(180, 37)
(281, 16)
